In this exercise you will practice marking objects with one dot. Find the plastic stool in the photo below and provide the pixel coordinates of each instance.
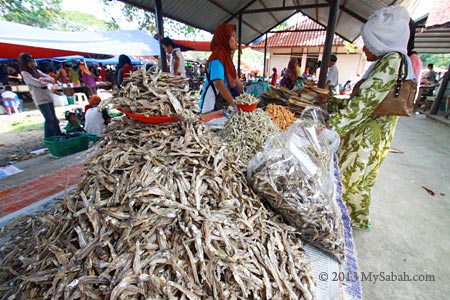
(80, 97)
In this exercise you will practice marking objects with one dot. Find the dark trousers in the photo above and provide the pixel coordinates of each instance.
(51, 125)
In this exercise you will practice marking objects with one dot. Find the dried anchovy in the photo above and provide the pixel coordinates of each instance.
(281, 181)
(163, 212)
(154, 93)
(245, 98)
(246, 133)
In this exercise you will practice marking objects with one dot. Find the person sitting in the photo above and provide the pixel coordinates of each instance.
(347, 88)
(10, 100)
(96, 119)
(73, 125)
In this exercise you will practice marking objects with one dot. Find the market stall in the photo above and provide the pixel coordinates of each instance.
(167, 209)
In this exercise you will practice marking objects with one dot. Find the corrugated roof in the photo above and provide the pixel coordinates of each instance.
(260, 16)
(306, 33)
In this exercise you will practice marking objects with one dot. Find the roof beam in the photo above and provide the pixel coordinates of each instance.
(236, 16)
(297, 30)
(283, 8)
(271, 14)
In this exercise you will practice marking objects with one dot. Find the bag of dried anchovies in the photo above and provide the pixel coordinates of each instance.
(294, 176)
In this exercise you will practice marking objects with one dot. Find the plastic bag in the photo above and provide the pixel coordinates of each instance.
(316, 114)
(294, 176)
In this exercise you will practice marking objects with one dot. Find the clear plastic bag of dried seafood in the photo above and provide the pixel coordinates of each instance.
(294, 176)
(314, 113)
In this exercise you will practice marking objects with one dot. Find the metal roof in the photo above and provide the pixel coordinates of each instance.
(306, 33)
(434, 39)
(260, 16)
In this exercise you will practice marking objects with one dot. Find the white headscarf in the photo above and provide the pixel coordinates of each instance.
(387, 30)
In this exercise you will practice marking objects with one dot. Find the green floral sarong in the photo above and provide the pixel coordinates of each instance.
(365, 139)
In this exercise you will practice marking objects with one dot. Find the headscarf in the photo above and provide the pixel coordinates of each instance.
(387, 30)
(23, 60)
(291, 71)
(95, 100)
(123, 60)
(84, 69)
(220, 47)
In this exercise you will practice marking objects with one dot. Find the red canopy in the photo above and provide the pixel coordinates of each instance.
(12, 51)
(185, 45)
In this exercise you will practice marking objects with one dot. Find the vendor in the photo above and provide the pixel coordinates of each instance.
(222, 84)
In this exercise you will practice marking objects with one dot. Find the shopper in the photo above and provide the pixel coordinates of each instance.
(332, 81)
(123, 68)
(89, 79)
(290, 76)
(222, 84)
(274, 77)
(175, 56)
(37, 83)
(365, 138)
(11, 101)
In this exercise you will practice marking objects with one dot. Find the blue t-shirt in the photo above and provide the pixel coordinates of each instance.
(216, 71)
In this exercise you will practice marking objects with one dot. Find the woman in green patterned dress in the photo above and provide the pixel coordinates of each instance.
(365, 138)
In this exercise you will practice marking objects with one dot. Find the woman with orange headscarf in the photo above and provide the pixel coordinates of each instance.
(222, 83)
(89, 79)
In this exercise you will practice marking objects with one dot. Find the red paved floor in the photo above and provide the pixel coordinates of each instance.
(20, 196)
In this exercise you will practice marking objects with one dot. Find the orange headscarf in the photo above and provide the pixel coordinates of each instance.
(95, 100)
(84, 69)
(220, 47)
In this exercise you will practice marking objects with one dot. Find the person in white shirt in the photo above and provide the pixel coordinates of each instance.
(176, 58)
(333, 74)
(95, 120)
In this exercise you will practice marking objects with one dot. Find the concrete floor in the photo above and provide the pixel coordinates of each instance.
(410, 228)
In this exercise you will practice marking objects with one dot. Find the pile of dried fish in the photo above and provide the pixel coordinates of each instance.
(245, 98)
(280, 115)
(163, 212)
(294, 178)
(154, 94)
(246, 133)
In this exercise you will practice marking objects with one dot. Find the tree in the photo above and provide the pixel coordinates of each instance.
(78, 21)
(37, 13)
(147, 21)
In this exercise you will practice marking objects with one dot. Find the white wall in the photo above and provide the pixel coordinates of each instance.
(349, 65)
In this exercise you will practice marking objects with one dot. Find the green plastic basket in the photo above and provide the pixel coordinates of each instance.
(66, 147)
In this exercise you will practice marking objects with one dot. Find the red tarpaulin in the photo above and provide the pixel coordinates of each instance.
(193, 45)
(12, 51)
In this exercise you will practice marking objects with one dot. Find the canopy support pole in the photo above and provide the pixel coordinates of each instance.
(160, 26)
(265, 55)
(331, 27)
(239, 45)
(440, 94)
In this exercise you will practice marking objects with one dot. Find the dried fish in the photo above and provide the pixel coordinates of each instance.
(245, 98)
(162, 212)
(294, 179)
(246, 132)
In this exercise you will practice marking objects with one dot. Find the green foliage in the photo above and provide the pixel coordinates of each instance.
(27, 125)
(350, 47)
(281, 26)
(438, 60)
(37, 13)
(78, 21)
(147, 22)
